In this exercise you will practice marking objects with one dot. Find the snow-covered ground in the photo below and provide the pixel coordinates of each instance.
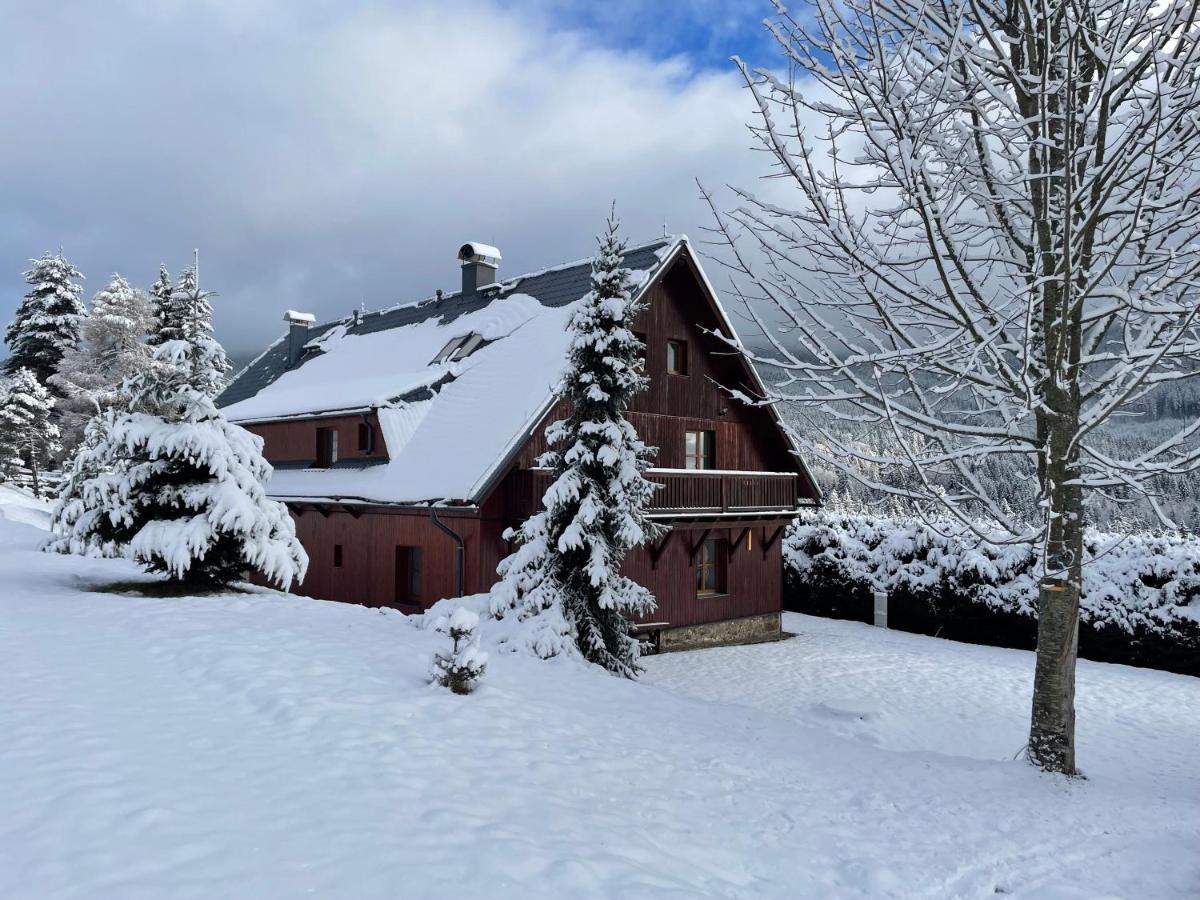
(259, 745)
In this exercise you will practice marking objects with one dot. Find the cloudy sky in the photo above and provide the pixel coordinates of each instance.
(326, 154)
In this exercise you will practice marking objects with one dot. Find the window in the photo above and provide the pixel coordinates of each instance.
(677, 361)
(408, 576)
(710, 568)
(700, 450)
(364, 436)
(458, 348)
(327, 447)
(337, 556)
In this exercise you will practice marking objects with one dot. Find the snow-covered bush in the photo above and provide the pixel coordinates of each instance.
(563, 578)
(941, 579)
(459, 666)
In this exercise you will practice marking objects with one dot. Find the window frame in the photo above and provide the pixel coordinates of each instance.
(448, 351)
(700, 460)
(712, 558)
(327, 447)
(679, 349)
(459, 348)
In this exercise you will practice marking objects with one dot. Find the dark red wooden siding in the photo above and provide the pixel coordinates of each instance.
(369, 542)
(747, 440)
(296, 440)
(747, 437)
(753, 581)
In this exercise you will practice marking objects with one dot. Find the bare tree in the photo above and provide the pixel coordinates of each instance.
(992, 250)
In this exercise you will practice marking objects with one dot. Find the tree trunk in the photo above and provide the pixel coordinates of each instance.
(33, 467)
(1052, 730)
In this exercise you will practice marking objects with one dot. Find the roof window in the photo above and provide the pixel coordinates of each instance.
(459, 348)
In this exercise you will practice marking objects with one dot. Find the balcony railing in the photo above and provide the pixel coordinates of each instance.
(683, 491)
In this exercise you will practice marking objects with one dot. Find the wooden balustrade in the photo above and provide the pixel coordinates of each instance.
(693, 491)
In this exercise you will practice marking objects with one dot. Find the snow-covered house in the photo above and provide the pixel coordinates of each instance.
(404, 442)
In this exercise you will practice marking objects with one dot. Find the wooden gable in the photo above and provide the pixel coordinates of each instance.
(679, 307)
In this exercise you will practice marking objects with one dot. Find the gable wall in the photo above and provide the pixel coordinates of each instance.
(296, 439)
(747, 438)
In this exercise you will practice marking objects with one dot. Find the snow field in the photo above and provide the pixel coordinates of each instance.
(267, 746)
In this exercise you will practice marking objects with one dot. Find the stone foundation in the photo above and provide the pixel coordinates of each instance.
(749, 630)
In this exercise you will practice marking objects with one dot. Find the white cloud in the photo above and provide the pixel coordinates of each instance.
(320, 159)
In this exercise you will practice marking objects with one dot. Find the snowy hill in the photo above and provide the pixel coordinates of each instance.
(266, 746)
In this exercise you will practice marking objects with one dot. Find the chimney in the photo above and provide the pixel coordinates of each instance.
(479, 264)
(298, 325)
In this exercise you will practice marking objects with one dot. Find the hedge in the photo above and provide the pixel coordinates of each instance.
(1140, 603)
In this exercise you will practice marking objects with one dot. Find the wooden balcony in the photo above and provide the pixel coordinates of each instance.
(688, 492)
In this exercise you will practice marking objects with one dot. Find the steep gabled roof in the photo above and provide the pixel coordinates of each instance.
(448, 425)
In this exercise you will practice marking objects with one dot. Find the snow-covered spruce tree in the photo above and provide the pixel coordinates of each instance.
(565, 567)
(27, 436)
(46, 323)
(993, 249)
(460, 666)
(179, 488)
(160, 301)
(187, 318)
(112, 347)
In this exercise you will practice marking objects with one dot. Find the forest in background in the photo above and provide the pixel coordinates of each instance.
(1124, 437)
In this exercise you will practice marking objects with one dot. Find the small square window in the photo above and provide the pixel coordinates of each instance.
(700, 450)
(337, 556)
(677, 358)
(710, 568)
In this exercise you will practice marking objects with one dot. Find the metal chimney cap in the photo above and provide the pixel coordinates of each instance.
(299, 318)
(475, 252)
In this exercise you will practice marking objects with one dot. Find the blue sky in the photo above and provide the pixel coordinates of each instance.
(705, 32)
(323, 155)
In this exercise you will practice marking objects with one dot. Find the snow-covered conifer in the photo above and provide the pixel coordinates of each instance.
(46, 323)
(190, 321)
(111, 349)
(174, 483)
(564, 572)
(160, 293)
(27, 436)
(459, 666)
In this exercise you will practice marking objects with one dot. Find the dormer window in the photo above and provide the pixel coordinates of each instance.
(458, 348)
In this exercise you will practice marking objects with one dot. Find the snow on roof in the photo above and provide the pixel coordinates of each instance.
(447, 425)
(290, 315)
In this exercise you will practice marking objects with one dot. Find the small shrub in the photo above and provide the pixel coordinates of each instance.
(462, 664)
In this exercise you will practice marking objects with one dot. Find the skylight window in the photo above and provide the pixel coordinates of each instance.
(459, 348)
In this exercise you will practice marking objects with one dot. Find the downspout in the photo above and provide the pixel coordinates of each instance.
(458, 550)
